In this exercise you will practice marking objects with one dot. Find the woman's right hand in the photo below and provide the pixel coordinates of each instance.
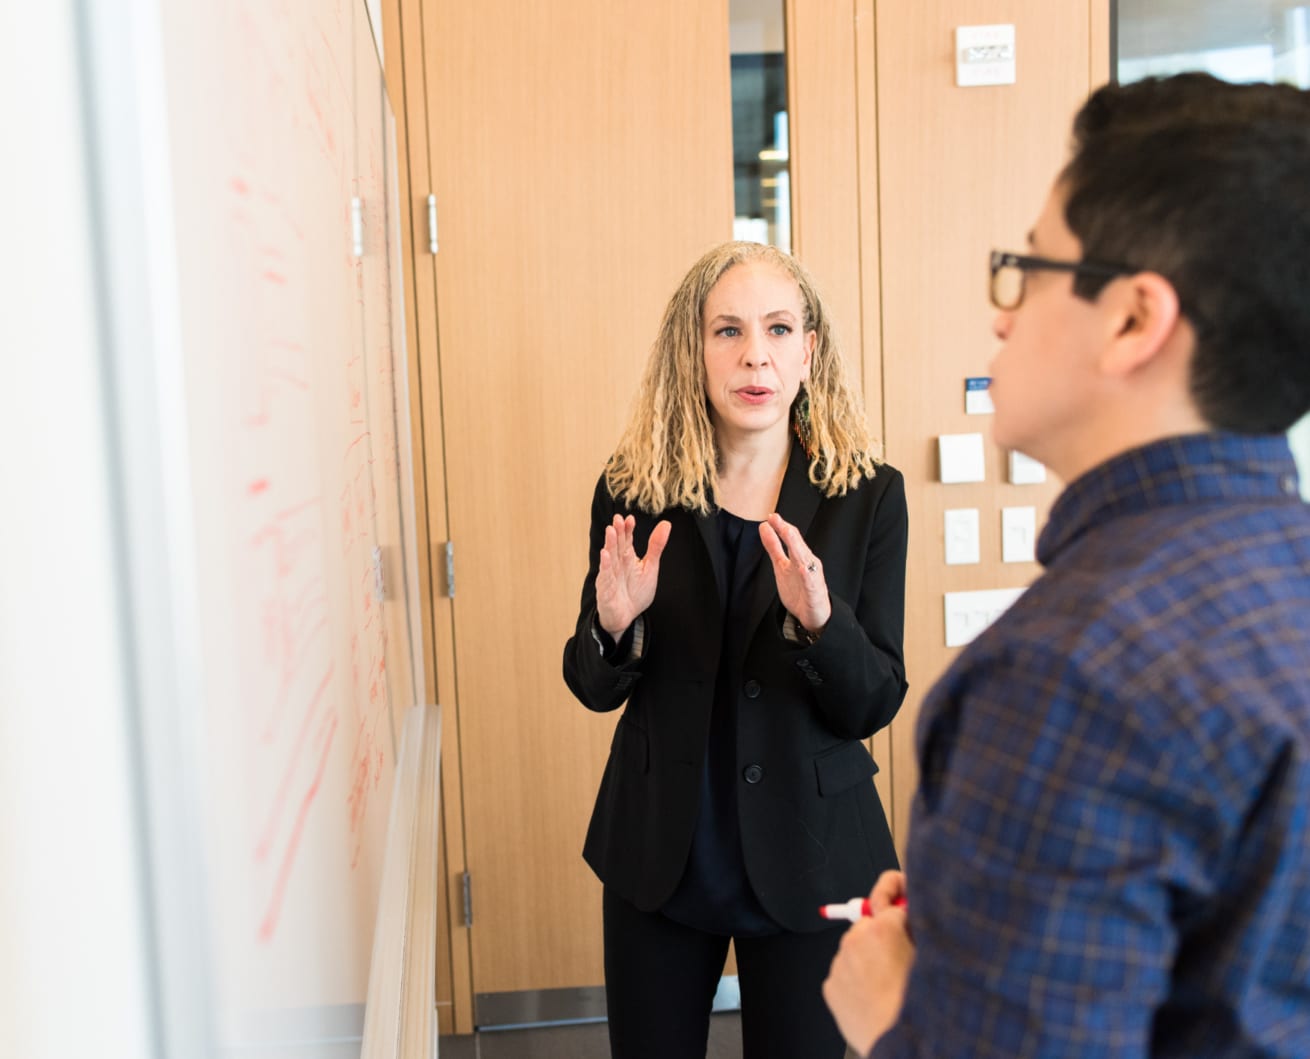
(625, 585)
(889, 889)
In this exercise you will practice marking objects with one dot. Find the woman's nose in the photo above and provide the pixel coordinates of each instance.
(757, 351)
(1001, 324)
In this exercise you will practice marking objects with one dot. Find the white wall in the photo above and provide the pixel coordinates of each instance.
(73, 960)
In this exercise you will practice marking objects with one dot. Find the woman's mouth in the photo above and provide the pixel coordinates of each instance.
(754, 394)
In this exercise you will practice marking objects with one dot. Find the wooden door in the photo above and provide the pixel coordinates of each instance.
(582, 159)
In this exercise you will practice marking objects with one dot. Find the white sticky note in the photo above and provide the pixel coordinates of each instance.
(1018, 534)
(1024, 470)
(984, 55)
(978, 396)
(961, 458)
(969, 613)
(961, 530)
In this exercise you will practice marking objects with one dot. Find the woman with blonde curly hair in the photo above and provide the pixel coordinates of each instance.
(745, 597)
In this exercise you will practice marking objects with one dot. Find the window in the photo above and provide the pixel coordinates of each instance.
(760, 152)
(1237, 40)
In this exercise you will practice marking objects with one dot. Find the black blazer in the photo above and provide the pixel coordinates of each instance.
(812, 828)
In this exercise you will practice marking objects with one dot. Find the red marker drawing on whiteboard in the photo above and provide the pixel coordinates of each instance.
(854, 909)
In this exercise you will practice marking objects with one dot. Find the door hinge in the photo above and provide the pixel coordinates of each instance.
(450, 569)
(468, 899)
(432, 224)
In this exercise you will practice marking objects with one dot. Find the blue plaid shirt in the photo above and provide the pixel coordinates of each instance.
(1109, 853)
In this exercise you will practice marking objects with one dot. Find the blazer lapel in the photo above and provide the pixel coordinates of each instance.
(708, 525)
(798, 501)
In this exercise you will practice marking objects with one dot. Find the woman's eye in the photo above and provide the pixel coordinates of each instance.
(779, 329)
(729, 332)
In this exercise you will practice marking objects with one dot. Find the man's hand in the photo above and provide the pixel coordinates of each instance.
(865, 987)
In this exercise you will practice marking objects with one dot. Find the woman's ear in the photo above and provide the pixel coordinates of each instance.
(811, 342)
(1145, 316)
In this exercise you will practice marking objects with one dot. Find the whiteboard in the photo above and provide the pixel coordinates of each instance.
(281, 152)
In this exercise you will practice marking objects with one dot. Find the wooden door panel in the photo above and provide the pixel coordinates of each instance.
(962, 170)
(581, 160)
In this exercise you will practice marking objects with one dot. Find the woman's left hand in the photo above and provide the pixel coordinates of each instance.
(799, 573)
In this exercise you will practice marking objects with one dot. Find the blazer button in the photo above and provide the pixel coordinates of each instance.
(752, 689)
(752, 773)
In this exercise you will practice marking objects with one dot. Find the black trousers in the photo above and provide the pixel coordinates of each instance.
(660, 978)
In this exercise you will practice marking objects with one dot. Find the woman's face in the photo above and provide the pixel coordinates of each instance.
(757, 352)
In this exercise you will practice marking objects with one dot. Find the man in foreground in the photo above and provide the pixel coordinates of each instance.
(1109, 853)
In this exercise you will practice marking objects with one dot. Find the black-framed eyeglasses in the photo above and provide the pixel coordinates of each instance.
(1010, 270)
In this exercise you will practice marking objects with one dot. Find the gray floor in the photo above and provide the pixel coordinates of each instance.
(590, 1041)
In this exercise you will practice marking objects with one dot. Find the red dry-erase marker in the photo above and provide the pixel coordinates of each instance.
(855, 908)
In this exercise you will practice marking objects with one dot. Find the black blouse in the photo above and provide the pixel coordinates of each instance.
(715, 894)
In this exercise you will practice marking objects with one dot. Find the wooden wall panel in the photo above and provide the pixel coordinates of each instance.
(830, 60)
(404, 50)
(825, 159)
(961, 170)
(865, 135)
(1101, 50)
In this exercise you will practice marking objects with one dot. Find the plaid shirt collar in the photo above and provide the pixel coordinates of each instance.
(1193, 468)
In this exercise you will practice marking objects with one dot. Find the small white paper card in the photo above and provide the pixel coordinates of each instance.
(1024, 470)
(961, 458)
(984, 55)
(961, 531)
(969, 613)
(1018, 534)
(978, 397)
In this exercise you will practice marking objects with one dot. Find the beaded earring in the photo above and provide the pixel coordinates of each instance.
(801, 422)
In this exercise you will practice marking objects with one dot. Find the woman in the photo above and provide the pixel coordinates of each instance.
(745, 597)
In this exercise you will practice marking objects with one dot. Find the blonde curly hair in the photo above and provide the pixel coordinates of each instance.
(668, 455)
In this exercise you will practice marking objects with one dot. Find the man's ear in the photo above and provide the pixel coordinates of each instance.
(1145, 316)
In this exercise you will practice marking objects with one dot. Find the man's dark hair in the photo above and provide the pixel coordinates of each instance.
(1208, 184)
